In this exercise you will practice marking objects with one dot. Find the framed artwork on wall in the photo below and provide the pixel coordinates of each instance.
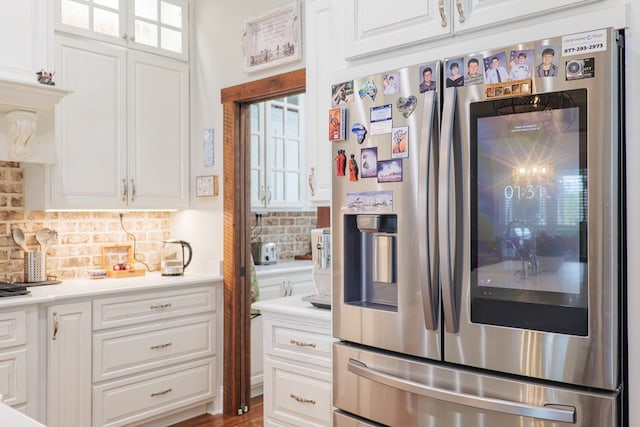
(272, 39)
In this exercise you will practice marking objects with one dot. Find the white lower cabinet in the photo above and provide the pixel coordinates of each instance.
(69, 365)
(131, 358)
(297, 363)
(19, 359)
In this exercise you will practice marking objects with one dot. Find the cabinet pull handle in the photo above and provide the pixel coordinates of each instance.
(133, 190)
(55, 326)
(301, 399)
(311, 181)
(160, 306)
(302, 343)
(161, 393)
(460, 11)
(159, 346)
(125, 190)
(443, 15)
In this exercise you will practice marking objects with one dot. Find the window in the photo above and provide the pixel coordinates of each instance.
(277, 153)
(158, 26)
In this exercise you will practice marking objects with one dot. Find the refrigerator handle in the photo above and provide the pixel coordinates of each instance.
(424, 213)
(445, 223)
(549, 412)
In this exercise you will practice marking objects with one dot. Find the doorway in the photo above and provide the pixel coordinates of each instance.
(237, 231)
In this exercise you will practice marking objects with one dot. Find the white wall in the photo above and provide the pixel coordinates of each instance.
(216, 62)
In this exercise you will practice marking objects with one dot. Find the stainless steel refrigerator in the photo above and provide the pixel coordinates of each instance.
(478, 225)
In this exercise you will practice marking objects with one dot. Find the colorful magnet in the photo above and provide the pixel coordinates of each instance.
(406, 106)
(368, 89)
(369, 162)
(390, 170)
(341, 163)
(360, 131)
(400, 142)
(353, 168)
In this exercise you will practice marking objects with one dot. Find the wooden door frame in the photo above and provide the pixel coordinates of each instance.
(237, 210)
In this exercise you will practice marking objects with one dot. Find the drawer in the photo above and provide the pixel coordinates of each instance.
(125, 402)
(13, 376)
(149, 306)
(297, 395)
(298, 341)
(13, 329)
(132, 350)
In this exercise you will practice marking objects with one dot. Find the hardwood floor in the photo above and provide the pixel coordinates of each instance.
(253, 418)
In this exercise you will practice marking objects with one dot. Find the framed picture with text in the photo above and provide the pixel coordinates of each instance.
(272, 39)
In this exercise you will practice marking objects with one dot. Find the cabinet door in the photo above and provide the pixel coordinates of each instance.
(272, 287)
(23, 38)
(90, 126)
(158, 132)
(300, 284)
(69, 365)
(378, 26)
(319, 164)
(473, 14)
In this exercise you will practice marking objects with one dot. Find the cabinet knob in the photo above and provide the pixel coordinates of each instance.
(302, 399)
(312, 176)
(55, 326)
(302, 343)
(125, 190)
(161, 393)
(133, 190)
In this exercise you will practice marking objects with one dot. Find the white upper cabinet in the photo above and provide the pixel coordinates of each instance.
(122, 135)
(24, 30)
(319, 158)
(277, 134)
(373, 26)
(157, 26)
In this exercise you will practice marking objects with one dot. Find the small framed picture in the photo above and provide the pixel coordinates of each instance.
(369, 162)
(390, 170)
(206, 186)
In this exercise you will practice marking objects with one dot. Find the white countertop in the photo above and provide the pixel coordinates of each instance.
(293, 306)
(284, 267)
(99, 287)
(14, 418)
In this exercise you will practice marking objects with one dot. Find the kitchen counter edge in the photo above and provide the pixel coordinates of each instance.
(80, 288)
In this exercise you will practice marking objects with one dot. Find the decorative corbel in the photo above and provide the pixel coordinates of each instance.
(21, 129)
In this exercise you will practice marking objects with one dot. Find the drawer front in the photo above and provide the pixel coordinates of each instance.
(297, 395)
(128, 401)
(155, 345)
(13, 377)
(13, 329)
(149, 306)
(302, 342)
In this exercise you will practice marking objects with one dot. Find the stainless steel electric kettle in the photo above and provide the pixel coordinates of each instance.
(173, 257)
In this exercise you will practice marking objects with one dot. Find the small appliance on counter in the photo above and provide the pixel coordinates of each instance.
(321, 257)
(264, 253)
(173, 257)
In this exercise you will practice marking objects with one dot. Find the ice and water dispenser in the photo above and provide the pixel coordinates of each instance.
(370, 261)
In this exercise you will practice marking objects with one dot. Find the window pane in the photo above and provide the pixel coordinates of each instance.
(74, 13)
(146, 9)
(277, 182)
(292, 155)
(170, 14)
(113, 4)
(255, 117)
(293, 100)
(255, 184)
(106, 22)
(255, 151)
(292, 123)
(171, 40)
(291, 187)
(278, 153)
(146, 33)
(277, 119)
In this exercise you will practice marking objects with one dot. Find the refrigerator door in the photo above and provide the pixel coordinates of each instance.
(531, 175)
(386, 292)
(398, 391)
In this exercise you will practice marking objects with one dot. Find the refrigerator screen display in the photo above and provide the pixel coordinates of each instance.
(529, 209)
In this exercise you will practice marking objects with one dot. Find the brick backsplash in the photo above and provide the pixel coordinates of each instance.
(81, 235)
(290, 231)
